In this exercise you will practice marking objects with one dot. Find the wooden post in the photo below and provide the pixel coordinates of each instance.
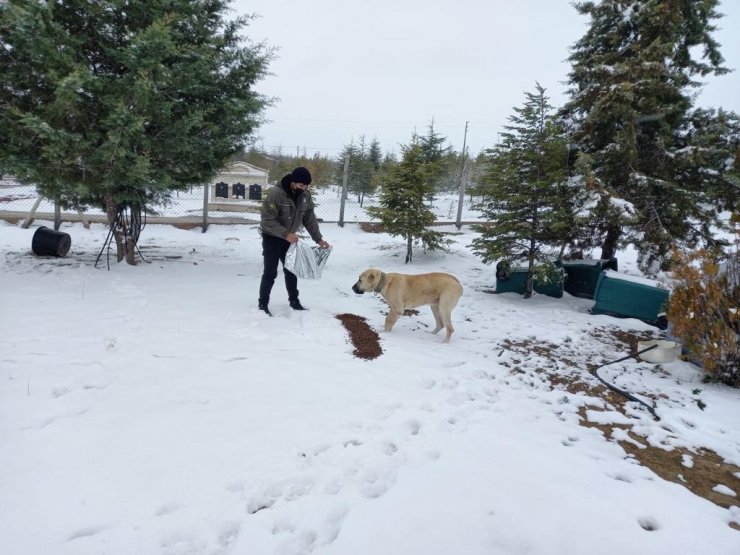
(32, 213)
(84, 220)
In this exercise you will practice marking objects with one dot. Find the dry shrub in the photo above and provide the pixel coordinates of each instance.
(703, 311)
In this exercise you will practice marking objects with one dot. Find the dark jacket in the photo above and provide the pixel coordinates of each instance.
(284, 212)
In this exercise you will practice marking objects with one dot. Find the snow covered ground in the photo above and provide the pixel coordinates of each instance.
(154, 410)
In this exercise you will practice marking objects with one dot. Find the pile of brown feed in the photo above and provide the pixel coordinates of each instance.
(365, 340)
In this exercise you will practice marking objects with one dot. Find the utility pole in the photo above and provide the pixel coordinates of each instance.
(461, 199)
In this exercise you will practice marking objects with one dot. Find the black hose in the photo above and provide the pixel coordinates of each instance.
(620, 391)
(130, 222)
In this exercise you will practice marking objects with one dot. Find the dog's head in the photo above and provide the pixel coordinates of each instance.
(369, 280)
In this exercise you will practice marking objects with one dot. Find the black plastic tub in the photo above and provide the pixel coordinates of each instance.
(48, 242)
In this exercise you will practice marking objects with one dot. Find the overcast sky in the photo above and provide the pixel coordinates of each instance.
(385, 68)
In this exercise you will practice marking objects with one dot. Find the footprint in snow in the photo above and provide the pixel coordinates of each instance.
(374, 485)
(228, 534)
(648, 523)
(413, 426)
(455, 364)
(333, 525)
(298, 544)
(59, 391)
(85, 532)
(287, 490)
(177, 542)
(166, 509)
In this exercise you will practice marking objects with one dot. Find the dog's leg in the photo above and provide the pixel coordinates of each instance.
(437, 318)
(445, 313)
(450, 330)
(392, 317)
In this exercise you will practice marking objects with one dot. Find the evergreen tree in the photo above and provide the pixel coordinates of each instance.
(707, 152)
(117, 104)
(389, 160)
(403, 207)
(433, 151)
(476, 186)
(375, 154)
(630, 86)
(362, 173)
(533, 208)
(361, 169)
(431, 144)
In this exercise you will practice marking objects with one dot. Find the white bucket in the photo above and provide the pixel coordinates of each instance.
(666, 351)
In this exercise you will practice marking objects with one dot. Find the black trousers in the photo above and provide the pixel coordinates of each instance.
(273, 251)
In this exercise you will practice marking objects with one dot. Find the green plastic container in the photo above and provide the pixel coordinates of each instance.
(583, 275)
(630, 297)
(517, 283)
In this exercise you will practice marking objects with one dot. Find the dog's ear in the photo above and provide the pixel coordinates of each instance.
(371, 277)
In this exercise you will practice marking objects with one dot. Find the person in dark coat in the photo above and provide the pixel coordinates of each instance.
(286, 208)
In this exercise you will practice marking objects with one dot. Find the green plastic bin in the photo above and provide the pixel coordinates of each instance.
(517, 283)
(630, 297)
(583, 275)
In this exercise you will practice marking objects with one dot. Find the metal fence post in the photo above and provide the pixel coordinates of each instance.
(206, 191)
(461, 199)
(344, 191)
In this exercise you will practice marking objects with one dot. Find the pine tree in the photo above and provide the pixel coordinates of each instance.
(116, 104)
(362, 168)
(533, 208)
(403, 207)
(375, 154)
(707, 153)
(433, 151)
(631, 81)
(431, 144)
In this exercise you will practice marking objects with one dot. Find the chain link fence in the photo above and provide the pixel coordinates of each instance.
(195, 207)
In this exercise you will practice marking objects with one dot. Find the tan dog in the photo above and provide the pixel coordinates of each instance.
(402, 291)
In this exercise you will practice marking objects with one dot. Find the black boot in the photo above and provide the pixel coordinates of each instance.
(263, 308)
(296, 305)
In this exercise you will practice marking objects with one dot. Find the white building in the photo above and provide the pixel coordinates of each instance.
(238, 187)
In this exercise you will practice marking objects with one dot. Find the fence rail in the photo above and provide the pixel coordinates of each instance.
(193, 208)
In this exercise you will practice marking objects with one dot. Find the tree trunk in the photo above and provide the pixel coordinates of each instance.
(111, 210)
(529, 288)
(130, 251)
(609, 246)
(409, 241)
(125, 230)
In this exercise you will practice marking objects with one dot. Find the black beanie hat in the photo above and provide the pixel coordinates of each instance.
(301, 175)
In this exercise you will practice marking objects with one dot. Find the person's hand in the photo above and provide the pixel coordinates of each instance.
(324, 245)
(292, 238)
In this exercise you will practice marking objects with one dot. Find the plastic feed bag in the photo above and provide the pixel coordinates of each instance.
(306, 262)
